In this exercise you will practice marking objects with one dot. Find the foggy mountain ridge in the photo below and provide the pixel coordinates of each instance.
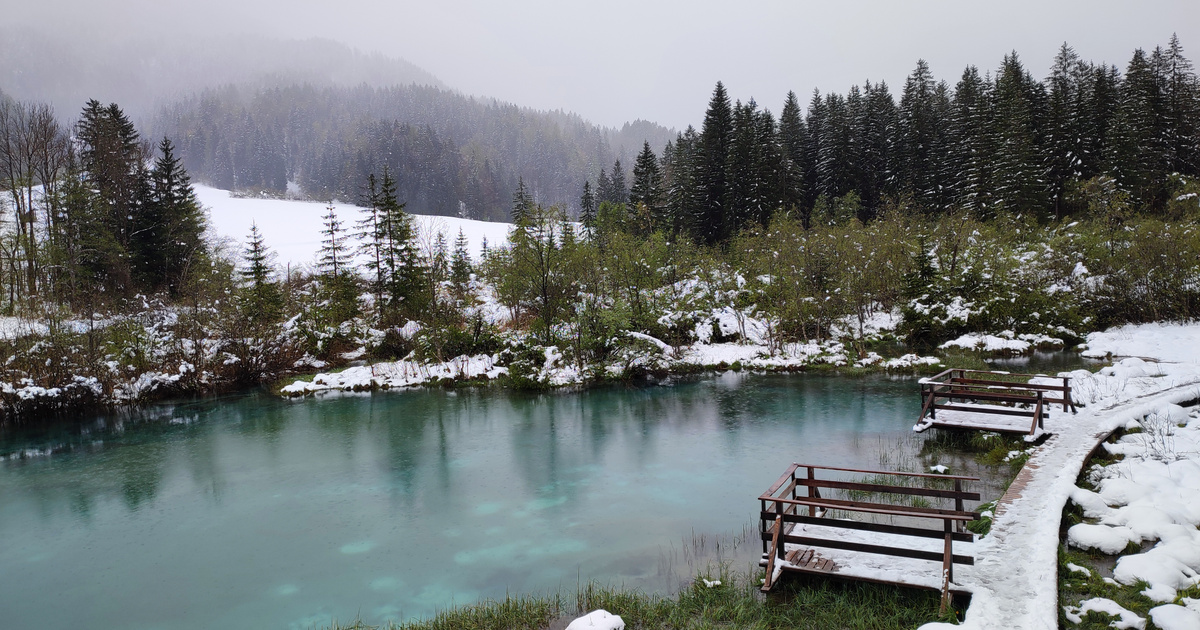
(143, 74)
(253, 113)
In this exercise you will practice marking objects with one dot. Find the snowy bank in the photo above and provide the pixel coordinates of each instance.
(1014, 582)
(293, 228)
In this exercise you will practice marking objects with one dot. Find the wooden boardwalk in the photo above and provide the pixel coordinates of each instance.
(992, 401)
(890, 542)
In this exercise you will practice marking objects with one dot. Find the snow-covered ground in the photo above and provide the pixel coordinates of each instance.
(1014, 581)
(293, 228)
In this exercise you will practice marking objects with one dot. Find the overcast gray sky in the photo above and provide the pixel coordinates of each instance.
(619, 60)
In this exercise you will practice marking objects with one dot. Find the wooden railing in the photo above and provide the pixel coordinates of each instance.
(782, 507)
(996, 393)
(980, 381)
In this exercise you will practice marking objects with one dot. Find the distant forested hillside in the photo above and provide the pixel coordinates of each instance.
(66, 69)
(451, 154)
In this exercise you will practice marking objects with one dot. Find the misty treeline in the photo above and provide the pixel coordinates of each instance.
(93, 213)
(1086, 140)
(451, 155)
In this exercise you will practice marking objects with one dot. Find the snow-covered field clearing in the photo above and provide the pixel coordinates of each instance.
(293, 228)
(1152, 495)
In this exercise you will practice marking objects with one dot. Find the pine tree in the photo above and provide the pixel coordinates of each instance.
(113, 160)
(915, 140)
(683, 194)
(372, 235)
(587, 207)
(260, 298)
(337, 277)
(1182, 110)
(875, 128)
(793, 136)
(1137, 154)
(405, 291)
(712, 224)
(522, 201)
(971, 131)
(814, 120)
(1020, 184)
(460, 264)
(620, 192)
(604, 190)
(647, 188)
(1064, 135)
(167, 239)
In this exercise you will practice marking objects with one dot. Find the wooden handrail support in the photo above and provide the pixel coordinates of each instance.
(779, 509)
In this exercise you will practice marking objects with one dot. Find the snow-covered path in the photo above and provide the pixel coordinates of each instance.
(1014, 581)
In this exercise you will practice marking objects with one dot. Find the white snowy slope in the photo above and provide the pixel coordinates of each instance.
(293, 228)
(1014, 581)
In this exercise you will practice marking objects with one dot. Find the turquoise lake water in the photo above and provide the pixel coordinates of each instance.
(256, 512)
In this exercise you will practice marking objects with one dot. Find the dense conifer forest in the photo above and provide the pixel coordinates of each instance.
(451, 155)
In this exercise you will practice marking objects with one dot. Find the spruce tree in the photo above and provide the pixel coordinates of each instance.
(1181, 110)
(620, 192)
(915, 139)
(1064, 135)
(647, 187)
(604, 191)
(712, 224)
(338, 286)
(113, 160)
(522, 202)
(168, 237)
(1020, 184)
(587, 207)
(972, 133)
(683, 194)
(793, 136)
(460, 264)
(405, 293)
(261, 300)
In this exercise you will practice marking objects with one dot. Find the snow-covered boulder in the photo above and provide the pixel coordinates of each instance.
(598, 620)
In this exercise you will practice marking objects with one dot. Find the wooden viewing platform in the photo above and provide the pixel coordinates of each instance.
(992, 401)
(799, 535)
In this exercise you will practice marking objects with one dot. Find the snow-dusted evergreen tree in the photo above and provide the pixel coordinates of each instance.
(916, 137)
(793, 136)
(337, 272)
(770, 175)
(973, 142)
(169, 236)
(261, 300)
(1182, 110)
(814, 121)
(619, 190)
(372, 236)
(587, 207)
(603, 188)
(835, 148)
(740, 198)
(1138, 154)
(647, 188)
(1067, 84)
(712, 224)
(683, 193)
(522, 202)
(1019, 176)
(460, 263)
(404, 276)
(875, 128)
